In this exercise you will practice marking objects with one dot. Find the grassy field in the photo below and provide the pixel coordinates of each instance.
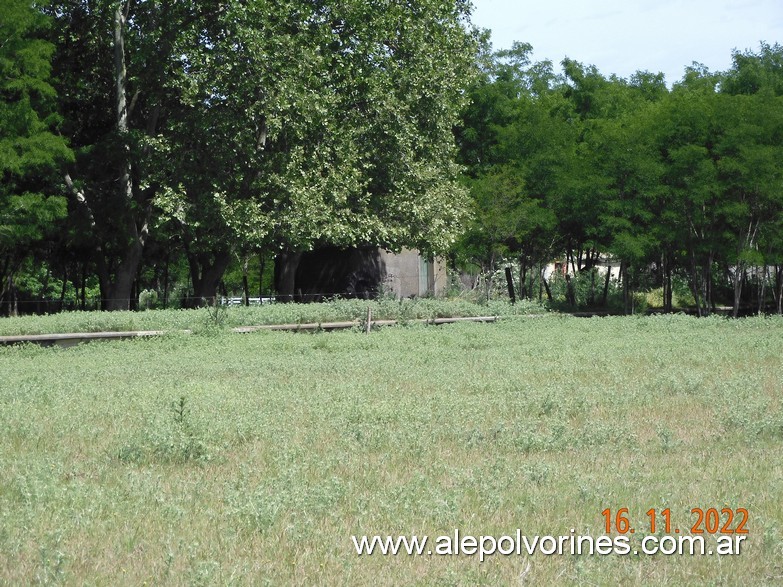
(209, 319)
(220, 458)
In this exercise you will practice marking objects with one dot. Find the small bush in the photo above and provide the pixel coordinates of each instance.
(173, 441)
(148, 299)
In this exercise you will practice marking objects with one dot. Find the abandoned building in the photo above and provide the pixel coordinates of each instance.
(365, 273)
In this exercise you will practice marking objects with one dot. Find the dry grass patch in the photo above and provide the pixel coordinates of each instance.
(216, 459)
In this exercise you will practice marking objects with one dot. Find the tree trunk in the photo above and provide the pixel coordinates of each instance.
(522, 274)
(606, 286)
(166, 283)
(544, 283)
(541, 283)
(546, 287)
(530, 284)
(120, 82)
(777, 289)
(134, 296)
(206, 272)
(286, 265)
(763, 288)
(695, 283)
(118, 291)
(510, 284)
(15, 298)
(76, 285)
(667, 284)
(64, 287)
(261, 264)
(709, 302)
(245, 286)
(3, 279)
(623, 275)
(739, 272)
(570, 256)
(9, 291)
(11, 295)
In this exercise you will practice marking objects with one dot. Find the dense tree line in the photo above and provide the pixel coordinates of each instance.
(166, 148)
(682, 183)
(141, 137)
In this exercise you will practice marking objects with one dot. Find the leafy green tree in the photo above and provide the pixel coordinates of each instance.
(111, 64)
(31, 151)
(750, 152)
(752, 73)
(513, 145)
(681, 182)
(589, 101)
(302, 124)
(689, 131)
(622, 153)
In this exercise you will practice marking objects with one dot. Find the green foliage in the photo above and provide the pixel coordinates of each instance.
(252, 127)
(205, 133)
(216, 314)
(752, 73)
(512, 145)
(148, 299)
(176, 441)
(587, 288)
(30, 149)
(666, 182)
(348, 140)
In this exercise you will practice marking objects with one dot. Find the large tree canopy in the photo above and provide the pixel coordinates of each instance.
(206, 134)
(683, 181)
(263, 125)
(30, 149)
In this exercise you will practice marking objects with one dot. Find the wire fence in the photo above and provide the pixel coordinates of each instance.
(51, 305)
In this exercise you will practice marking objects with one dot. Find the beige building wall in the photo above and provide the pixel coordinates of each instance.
(410, 274)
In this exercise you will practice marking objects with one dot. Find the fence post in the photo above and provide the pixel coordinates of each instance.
(510, 283)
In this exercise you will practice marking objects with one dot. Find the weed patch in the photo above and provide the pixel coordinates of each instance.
(171, 439)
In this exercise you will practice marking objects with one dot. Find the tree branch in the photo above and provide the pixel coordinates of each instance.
(79, 195)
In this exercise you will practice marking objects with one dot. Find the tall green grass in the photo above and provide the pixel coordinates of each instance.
(252, 459)
(225, 317)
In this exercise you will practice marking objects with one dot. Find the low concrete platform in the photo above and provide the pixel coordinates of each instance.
(74, 338)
